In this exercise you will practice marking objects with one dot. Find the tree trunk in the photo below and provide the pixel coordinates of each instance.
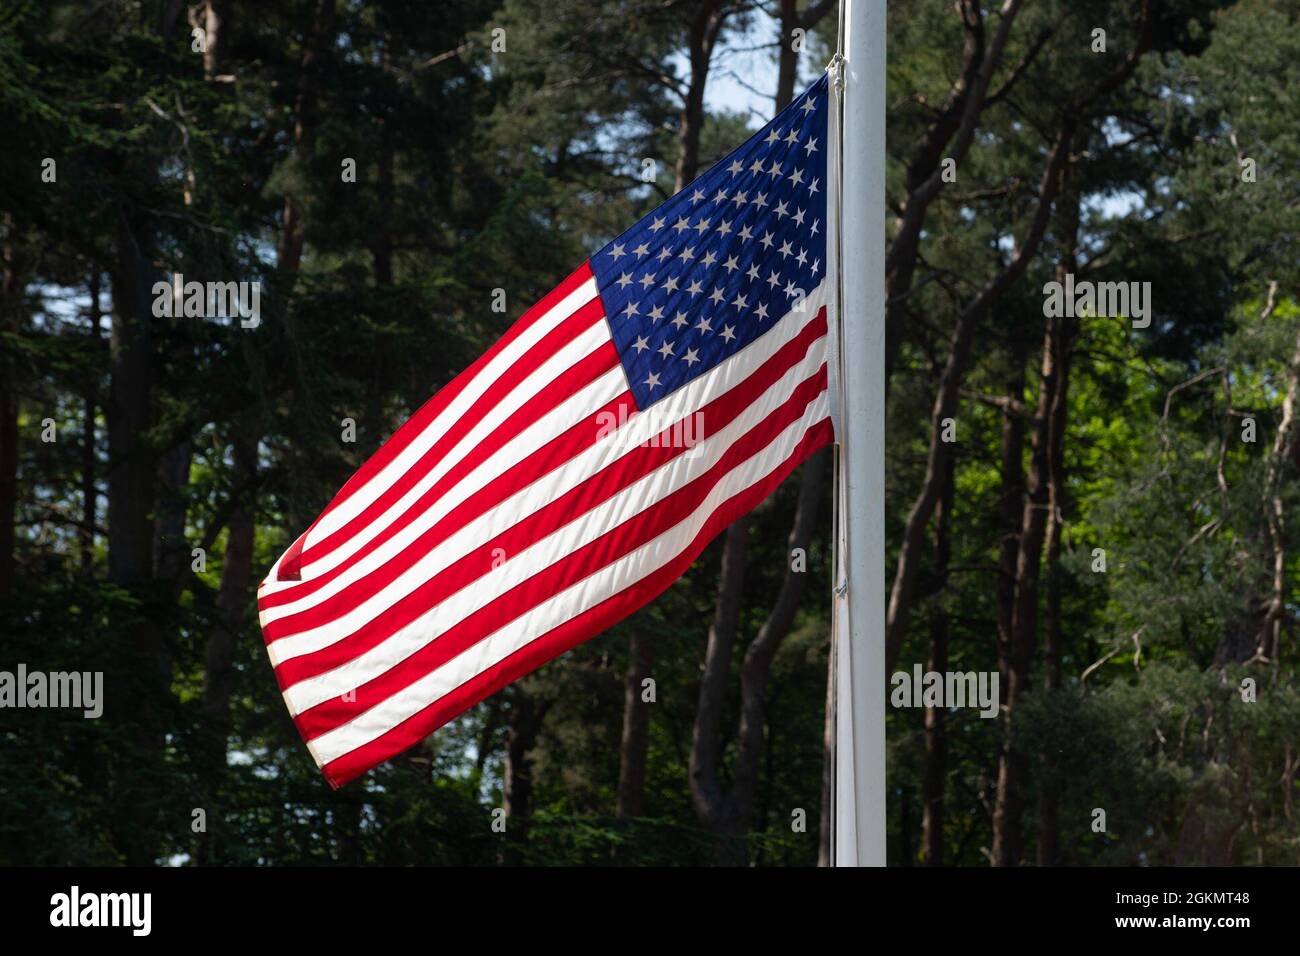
(948, 137)
(1010, 504)
(233, 603)
(171, 553)
(757, 666)
(89, 494)
(948, 394)
(636, 728)
(936, 744)
(729, 813)
(11, 289)
(703, 36)
(787, 61)
(525, 722)
(215, 17)
(319, 41)
(132, 479)
(1282, 462)
(1049, 419)
(706, 736)
(826, 830)
(1049, 825)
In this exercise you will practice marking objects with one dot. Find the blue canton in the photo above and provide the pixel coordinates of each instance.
(721, 262)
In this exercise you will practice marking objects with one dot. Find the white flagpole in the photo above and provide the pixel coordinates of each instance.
(860, 597)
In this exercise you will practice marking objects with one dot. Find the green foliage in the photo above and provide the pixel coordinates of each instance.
(479, 171)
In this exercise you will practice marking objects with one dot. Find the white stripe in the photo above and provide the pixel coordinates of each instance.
(543, 618)
(559, 363)
(364, 496)
(548, 487)
(539, 555)
(581, 405)
(639, 428)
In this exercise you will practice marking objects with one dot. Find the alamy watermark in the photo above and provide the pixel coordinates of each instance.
(78, 690)
(665, 431)
(208, 300)
(75, 909)
(1072, 299)
(946, 689)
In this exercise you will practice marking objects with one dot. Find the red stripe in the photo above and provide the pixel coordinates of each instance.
(582, 497)
(586, 560)
(569, 634)
(556, 453)
(585, 317)
(582, 374)
(715, 416)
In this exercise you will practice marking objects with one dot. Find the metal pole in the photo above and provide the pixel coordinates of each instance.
(860, 710)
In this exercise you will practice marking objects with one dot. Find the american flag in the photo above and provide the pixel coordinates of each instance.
(575, 470)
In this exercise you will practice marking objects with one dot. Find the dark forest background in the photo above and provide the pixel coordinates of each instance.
(1103, 531)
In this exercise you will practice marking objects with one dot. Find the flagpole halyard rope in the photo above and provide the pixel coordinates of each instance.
(836, 70)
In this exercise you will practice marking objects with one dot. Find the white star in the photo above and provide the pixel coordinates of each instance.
(724, 227)
(691, 357)
(739, 199)
(631, 309)
(790, 289)
(696, 196)
(687, 252)
(624, 281)
(726, 333)
(773, 137)
(720, 196)
(774, 169)
(694, 287)
(717, 296)
(641, 249)
(761, 311)
(816, 265)
(796, 177)
(657, 313)
(798, 217)
(657, 224)
(746, 232)
(752, 272)
(811, 145)
(653, 380)
(774, 279)
(781, 210)
(792, 136)
(671, 284)
(732, 264)
(802, 256)
(814, 226)
(739, 302)
(680, 225)
(646, 281)
(617, 251)
(761, 200)
(666, 350)
(735, 167)
(808, 106)
(704, 325)
(664, 254)
(812, 188)
(681, 320)
(766, 240)
(640, 344)
(785, 249)
(756, 166)
(709, 259)
(701, 226)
